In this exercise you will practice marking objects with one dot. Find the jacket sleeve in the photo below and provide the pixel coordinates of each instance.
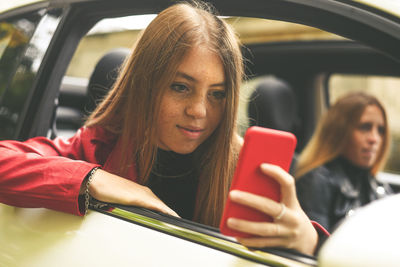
(46, 173)
(316, 197)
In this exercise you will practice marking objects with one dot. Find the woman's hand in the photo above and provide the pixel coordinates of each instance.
(111, 188)
(290, 228)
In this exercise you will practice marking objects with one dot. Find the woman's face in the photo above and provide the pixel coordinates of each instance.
(367, 138)
(192, 106)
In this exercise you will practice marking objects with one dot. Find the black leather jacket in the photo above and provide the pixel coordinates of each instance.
(330, 192)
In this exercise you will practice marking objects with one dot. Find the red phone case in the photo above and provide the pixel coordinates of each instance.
(260, 145)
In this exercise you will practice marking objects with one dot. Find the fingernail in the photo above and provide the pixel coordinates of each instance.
(234, 194)
(230, 222)
(264, 165)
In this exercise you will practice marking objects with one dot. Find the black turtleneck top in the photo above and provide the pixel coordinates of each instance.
(174, 180)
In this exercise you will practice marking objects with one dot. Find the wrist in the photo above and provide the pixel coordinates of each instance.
(85, 189)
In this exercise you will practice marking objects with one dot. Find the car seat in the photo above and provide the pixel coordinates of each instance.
(273, 105)
(103, 76)
(69, 118)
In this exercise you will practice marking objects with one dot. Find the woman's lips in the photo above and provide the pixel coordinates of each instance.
(369, 152)
(191, 132)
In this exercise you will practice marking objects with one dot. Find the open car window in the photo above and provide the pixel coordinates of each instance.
(260, 39)
(296, 53)
(113, 35)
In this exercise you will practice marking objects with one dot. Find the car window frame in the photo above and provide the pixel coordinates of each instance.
(201, 234)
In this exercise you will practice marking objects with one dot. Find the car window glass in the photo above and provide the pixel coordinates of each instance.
(14, 38)
(23, 43)
(385, 88)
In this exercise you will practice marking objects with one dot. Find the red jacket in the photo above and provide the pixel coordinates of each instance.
(48, 173)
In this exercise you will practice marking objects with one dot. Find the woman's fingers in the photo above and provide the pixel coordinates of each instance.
(298, 234)
(263, 204)
(286, 181)
(265, 234)
(261, 242)
(111, 188)
(149, 200)
(291, 228)
(142, 196)
(262, 229)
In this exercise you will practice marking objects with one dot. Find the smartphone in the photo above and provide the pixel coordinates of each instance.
(261, 145)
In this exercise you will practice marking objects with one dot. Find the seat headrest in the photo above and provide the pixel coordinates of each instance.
(104, 75)
(273, 105)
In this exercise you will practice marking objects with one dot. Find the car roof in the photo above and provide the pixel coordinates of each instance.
(388, 6)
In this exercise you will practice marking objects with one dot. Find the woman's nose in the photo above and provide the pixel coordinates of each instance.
(197, 107)
(374, 135)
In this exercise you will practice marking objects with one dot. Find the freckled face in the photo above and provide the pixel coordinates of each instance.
(192, 106)
(367, 138)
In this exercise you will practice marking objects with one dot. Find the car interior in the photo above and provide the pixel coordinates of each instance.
(305, 65)
(288, 82)
(284, 97)
(286, 87)
(75, 104)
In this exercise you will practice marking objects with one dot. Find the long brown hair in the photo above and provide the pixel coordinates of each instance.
(131, 108)
(334, 132)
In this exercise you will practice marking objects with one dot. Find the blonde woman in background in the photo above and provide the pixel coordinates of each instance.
(336, 170)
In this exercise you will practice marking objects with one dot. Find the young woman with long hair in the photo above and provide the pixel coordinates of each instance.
(337, 168)
(164, 138)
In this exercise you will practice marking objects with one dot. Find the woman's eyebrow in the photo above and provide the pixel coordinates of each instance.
(192, 79)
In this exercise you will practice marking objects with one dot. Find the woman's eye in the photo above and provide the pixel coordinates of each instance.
(219, 95)
(381, 130)
(178, 87)
(365, 127)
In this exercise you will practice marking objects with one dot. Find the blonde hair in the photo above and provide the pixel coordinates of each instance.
(334, 132)
(131, 108)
